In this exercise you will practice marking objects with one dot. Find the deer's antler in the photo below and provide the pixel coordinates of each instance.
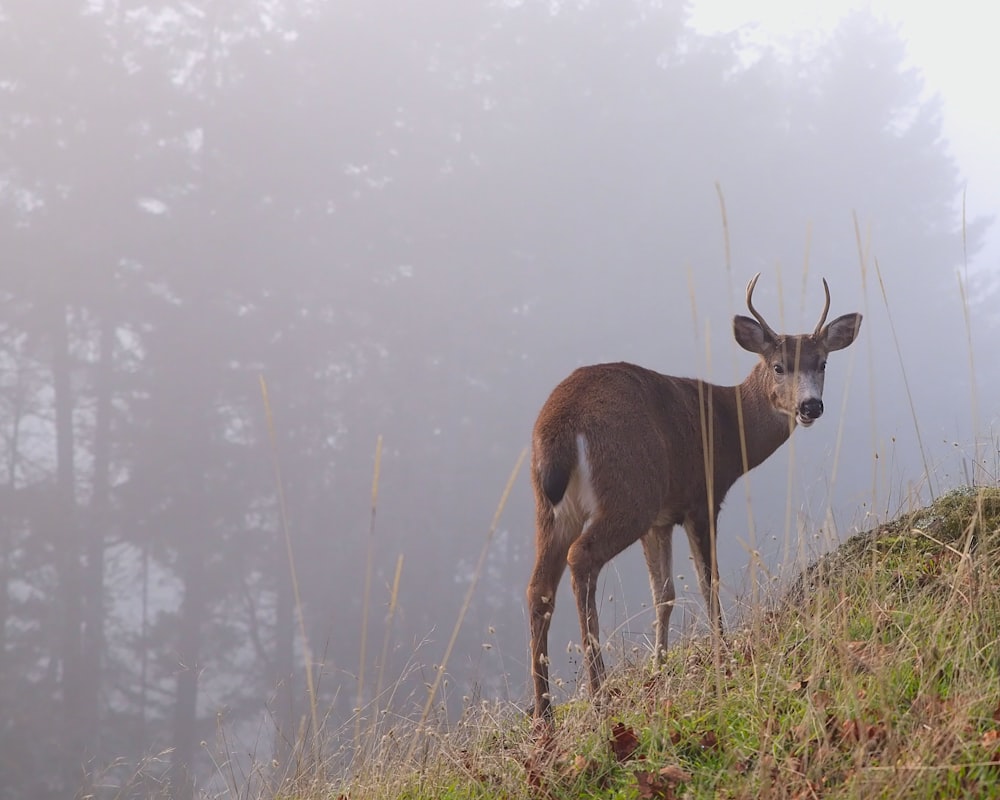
(768, 330)
(826, 308)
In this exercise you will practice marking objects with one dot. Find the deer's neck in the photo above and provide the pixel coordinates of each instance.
(764, 427)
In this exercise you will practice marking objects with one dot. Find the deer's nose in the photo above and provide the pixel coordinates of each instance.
(811, 408)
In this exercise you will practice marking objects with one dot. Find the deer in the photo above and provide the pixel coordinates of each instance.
(621, 453)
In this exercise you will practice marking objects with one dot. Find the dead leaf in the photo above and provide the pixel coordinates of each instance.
(624, 742)
(674, 774)
(651, 786)
(582, 766)
(850, 731)
(709, 741)
(876, 734)
(822, 699)
(744, 765)
(991, 739)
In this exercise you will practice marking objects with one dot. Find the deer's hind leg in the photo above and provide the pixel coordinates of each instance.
(601, 540)
(552, 541)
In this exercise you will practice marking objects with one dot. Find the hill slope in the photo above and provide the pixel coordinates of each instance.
(876, 675)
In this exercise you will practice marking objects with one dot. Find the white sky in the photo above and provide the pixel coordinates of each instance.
(953, 44)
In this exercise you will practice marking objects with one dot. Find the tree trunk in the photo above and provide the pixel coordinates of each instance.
(6, 551)
(95, 536)
(75, 736)
(10, 516)
(185, 736)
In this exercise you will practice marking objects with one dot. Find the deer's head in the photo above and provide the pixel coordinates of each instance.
(795, 365)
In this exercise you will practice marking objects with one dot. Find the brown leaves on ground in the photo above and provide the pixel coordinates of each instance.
(624, 742)
(550, 763)
(552, 760)
(661, 784)
(583, 766)
(853, 731)
(709, 741)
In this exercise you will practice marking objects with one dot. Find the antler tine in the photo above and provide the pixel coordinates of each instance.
(763, 323)
(826, 308)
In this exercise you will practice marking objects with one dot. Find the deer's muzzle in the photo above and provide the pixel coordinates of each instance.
(810, 410)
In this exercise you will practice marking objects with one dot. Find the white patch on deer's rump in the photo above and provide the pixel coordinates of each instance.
(579, 504)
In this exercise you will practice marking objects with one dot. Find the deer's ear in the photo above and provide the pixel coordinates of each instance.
(749, 335)
(841, 332)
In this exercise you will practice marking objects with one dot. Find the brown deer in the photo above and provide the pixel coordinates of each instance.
(621, 453)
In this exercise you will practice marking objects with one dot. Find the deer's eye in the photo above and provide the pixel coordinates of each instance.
(822, 366)
(779, 369)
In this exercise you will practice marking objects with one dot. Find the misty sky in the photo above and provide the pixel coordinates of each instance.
(953, 47)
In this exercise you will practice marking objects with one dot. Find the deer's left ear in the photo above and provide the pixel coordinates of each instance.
(841, 332)
(749, 334)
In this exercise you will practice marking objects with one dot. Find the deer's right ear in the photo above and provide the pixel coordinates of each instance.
(749, 335)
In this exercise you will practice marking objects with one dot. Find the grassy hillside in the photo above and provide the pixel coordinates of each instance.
(876, 675)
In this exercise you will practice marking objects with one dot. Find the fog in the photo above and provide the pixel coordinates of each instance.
(242, 246)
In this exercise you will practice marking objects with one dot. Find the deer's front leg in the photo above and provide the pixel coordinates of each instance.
(658, 549)
(699, 532)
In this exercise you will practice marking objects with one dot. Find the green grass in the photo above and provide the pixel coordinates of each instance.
(877, 674)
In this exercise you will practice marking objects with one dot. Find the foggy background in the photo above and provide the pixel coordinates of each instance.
(412, 220)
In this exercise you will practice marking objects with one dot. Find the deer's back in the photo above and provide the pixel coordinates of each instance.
(641, 431)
